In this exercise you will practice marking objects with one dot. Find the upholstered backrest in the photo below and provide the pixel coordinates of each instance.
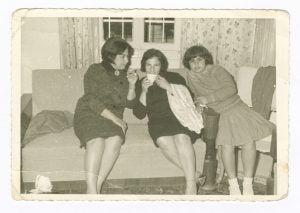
(60, 89)
(56, 89)
(244, 80)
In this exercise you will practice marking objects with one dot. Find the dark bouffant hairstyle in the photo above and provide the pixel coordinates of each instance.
(155, 53)
(194, 52)
(115, 46)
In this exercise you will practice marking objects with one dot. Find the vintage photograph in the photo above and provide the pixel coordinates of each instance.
(159, 104)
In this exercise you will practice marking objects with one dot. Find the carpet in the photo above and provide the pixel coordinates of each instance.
(146, 186)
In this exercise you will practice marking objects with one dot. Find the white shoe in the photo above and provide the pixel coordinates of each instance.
(248, 189)
(234, 190)
(248, 186)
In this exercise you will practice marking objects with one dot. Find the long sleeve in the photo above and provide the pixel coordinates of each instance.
(93, 91)
(139, 110)
(130, 103)
(227, 89)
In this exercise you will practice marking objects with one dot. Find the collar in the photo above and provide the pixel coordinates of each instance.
(108, 67)
(110, 70)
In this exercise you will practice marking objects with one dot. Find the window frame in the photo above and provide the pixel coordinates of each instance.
(141, 44)
(121, 20)
(138, 35)
(163, 22)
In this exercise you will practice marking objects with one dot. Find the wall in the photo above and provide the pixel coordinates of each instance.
(39, 49)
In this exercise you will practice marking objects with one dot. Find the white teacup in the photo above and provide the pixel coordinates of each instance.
(151, 77)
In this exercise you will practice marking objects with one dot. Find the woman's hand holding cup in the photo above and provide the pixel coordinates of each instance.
(132, 77)
(146, 83)
(163, 83)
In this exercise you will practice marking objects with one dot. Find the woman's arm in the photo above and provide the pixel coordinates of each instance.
(111, 116)
(93, 85)
(172, 78)
(131, 96)
(139, 109)
(93, 89)
(163, 83)
(143, 98)
(227, 89)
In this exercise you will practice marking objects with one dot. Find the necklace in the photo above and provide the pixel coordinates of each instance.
(117, 72)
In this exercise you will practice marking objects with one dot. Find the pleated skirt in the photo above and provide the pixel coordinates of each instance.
(240, 125)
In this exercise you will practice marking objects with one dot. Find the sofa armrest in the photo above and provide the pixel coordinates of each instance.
(26, 113)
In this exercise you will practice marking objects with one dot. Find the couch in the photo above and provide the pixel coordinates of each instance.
(59, 157)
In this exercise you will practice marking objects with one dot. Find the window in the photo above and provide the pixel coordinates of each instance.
(120, 27)
(144, 33)
(159, 30)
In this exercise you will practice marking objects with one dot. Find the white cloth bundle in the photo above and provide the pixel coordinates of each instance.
(42, 185)
(181, 104)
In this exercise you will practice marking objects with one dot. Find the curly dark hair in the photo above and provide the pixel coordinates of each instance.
(115, 46)
(194, 52)
(155, 53)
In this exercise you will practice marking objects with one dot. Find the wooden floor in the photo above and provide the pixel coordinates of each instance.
(170, 186)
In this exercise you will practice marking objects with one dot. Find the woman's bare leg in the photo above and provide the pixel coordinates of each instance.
(93, 155)
(228, 157)
(109, 157)
(249, 159)
(220, 165)
(169, 150)
(187, 158)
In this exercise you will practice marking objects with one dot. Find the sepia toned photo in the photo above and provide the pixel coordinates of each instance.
(150, 104)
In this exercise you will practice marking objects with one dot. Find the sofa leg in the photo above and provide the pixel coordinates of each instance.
(275, 178)
(271, 188)
(211, 122)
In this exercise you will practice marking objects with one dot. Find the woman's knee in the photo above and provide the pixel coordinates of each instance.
(227, 149)
(249, 146)
(164, 142)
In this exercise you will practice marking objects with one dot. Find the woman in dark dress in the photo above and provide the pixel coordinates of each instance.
(98, 119)
(174, 140)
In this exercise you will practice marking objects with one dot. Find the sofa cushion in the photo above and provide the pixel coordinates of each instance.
(59, 157)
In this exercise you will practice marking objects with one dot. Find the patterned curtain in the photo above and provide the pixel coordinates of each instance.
(200, 31)
(235, 45)
(232, 42)
(79, 42)
(264, 53)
